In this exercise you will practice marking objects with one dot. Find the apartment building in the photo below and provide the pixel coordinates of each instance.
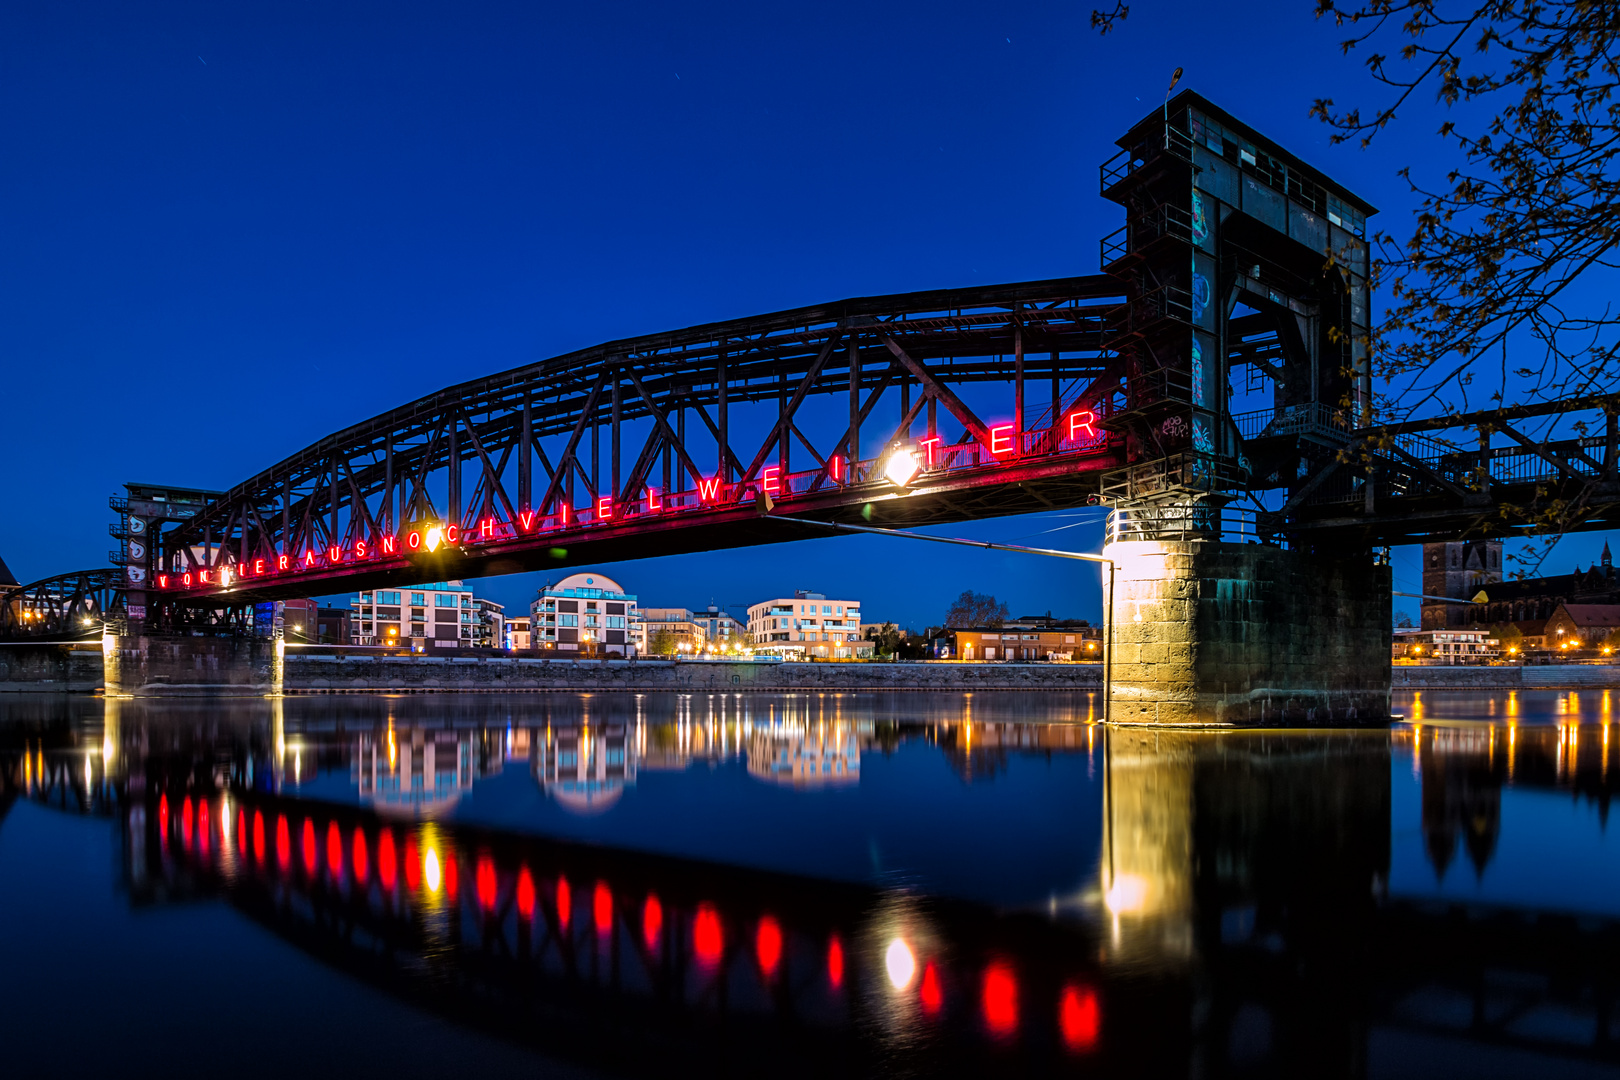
(722, 631)
(517, 632)
(685, 632)
(808, 624)
(443, 615)
(586, 614)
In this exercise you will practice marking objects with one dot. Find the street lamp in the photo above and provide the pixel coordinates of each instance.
(902, 467)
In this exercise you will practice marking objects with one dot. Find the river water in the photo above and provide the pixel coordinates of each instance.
(887, 884)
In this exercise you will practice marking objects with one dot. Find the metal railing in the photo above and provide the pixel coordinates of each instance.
(1193, 521)
(1310, 418)
(1123, 165)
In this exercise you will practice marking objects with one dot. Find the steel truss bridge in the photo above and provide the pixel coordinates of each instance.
(1215, 364)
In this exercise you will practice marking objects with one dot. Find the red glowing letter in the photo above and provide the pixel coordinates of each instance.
(604, 508)
(388, 545)
(334, 849)
(258, 566)
(309, 557)
(773, 486)
(359, 549)
(334, 554)
(835, 469)
(185, 579)
(309, 845)
(413, 541)
(707, 489)
(359, 855)
(1000, 441)
(452, 533)
(1081, 421)
(484, 877)
(654, 503)
(928, 445)
(526, 519)
(486, 528)
(282, 561)
(163, 581)
(385, 858)
(562, 513)
(202, 577)
(565, 903)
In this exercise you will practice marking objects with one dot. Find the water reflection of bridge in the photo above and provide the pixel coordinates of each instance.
(1242, 924)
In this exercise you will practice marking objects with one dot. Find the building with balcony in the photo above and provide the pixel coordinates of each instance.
(586, 614)
(1444, 646)
(443, 615)
(1015, 641)
(722, 631)
(685, 634)
(808, 624)
(517, 633)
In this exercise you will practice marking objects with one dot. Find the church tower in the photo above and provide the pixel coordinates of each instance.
(1457, 569)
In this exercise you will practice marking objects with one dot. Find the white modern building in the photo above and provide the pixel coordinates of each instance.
(443, 615)
(584, 614)
(809, 624)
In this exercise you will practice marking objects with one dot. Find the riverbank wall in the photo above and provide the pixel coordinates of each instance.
(1528, 677)
(33, 668)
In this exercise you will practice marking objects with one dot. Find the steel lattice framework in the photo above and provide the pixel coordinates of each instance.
(62, 607)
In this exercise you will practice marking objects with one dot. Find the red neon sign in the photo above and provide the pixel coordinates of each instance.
(486, 528)
(604, 508)
(388, 545)
(1000, 440)
(708, 488)
(258, 566)
(414, 540)
(202, 576)
(452, 533)
(928, 445)
(526, 520)
(654, 503)
(1081, 420)
(282, 562)
(163, 581)
(359, 549)
(334, 554)
(835, 469)
(309, 557)
(773, 483)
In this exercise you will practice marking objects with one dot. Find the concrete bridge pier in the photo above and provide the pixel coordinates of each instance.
(158, 665)
(1207, 632)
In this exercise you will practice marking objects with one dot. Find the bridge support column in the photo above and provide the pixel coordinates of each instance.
(154, 665)
(1213, 633)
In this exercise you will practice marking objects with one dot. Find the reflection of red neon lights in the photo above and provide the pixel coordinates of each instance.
(708, 488)
(163, 819)
(202, 825)
(652, 922)
(241, 831)
(1079, 1017)
(1081, 420)
(525, 893)
(768, 945)
(928, 445)
(309, 845)
(604, 508)
(565, 903)
(451, 874)
(283, 841)
(835, 962)
(258, 836)
(484, 877)
(602, 907)
(929, 992)
(385, 858)
(1000, 999)
(706, 934)
(359, 855)
(334, 849)
(413, 865)
(1000, 440)
(185, 822)
(773, 483)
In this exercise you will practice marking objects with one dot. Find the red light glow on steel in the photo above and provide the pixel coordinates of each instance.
(565, 903)
(283, 561)
(707, 937)
(772, 479)
(526, 520)
(708, 488)
(258, 836)
(1001, 439)
(835, 962)
(1079, 1017)
(1000, 999)
(1081, 420)
(359, 855)
(604, 508)
(413, 540)
(385, 858)
(768, 945)
(283, 841)
(652, 922)
(484, 878)
(525, 893)
(334, 849)
(929, 992)
(928, 445)
(308, 845)
(413, 865)
(602, 907)
(654, 503)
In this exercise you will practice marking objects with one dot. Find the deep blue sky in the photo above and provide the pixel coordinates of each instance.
(231, 228)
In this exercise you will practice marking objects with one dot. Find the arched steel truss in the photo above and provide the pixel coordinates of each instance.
(64, 607)
(657, 445)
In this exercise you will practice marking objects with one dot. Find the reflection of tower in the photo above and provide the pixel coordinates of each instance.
(1462, 794)
(1251, 860)
(584, 768)
(415, 770)
(805, 757)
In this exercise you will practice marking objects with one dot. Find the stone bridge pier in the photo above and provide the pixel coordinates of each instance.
(157, 665)
(1208, 632)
